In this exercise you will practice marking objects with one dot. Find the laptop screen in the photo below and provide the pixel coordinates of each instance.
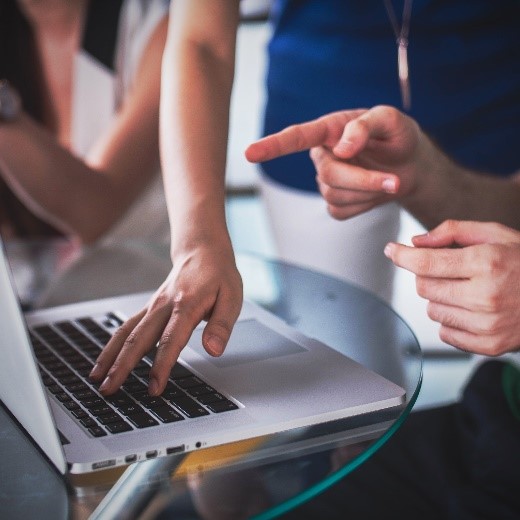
(21, 388)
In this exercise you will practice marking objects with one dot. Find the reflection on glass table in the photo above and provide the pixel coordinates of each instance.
(263, 476)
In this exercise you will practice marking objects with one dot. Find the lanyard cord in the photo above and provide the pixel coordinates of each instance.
(401, 37)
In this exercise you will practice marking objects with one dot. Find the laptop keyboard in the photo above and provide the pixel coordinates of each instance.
(66, 352)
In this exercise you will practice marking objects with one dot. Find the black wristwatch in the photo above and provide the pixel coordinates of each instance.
(10, 102)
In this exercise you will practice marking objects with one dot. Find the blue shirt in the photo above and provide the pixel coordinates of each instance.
(464, 63)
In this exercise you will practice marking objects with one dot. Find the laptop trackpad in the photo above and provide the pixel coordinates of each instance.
(250, 341)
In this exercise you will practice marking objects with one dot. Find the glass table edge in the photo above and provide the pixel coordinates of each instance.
(335, 477)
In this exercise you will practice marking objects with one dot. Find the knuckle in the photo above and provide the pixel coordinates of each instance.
(338, 197)
(446, 336)
(131, 340)
(421, 286)
(450, 225)
(161, 302)
(182, 304)
(122, 332)
(492, 301)
(424, 264)
(496, 347)
(493, 260)
(362, 124)
(391, 114)
(326, 190)
(336, 212)
(494, 325)
(432, 311)
(297, 135)
(326, 172)
(166, 340)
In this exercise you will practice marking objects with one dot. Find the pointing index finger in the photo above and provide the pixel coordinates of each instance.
(324, 131)
(290, 140)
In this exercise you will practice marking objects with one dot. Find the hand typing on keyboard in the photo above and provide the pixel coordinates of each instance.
(66, 350)
(204, 284)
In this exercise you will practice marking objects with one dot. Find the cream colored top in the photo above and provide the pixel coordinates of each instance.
(99, 93)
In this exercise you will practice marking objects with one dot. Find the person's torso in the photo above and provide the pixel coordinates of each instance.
(464, 65)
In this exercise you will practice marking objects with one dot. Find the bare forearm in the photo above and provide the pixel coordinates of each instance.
(448, 191)
(55, 184)
(196, 89)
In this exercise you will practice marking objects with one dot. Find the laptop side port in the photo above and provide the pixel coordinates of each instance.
(151, 454)
(104, 464)
(175, 449)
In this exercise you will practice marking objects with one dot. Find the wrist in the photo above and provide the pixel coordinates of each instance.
(10, 102)
(430, 167)
(185, 243)
(437, 180)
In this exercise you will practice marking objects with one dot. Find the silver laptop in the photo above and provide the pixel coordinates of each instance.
(271, 378)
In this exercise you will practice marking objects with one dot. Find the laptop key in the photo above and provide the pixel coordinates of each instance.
(84, 395)
(196, 391)
(134, 386)
(210, 398)
(119, 427)
(88, 422)
(54, 389)
(97, 431)
(189, 382)
(189, 407)
(131, 409)
(72, 380)
(179, 371)
(119, 399)
(71, 405)
(166, 414)
(47, 379)
(152, 402)
(79, 413)
(90, 404)
(172, 393)
(222, 406)
(142, 371)
(76, 385)
(100, 410)
(142, 420)
(62, 397)
(109, 418)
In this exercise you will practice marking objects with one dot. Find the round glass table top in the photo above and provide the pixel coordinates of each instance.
(261, 477)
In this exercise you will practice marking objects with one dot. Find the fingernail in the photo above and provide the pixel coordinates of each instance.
(153, 387)
(105, 384)
(215, 345)
(95, 371)
(343, 146)
(389, 185)
(345, 143)
(389, 249)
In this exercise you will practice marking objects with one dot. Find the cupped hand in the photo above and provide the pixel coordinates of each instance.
(473, 289)
(204, 284)
(363, 158)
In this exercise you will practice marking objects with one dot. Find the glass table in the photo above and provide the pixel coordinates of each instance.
(258, 478)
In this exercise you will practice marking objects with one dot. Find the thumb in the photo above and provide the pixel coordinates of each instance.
(466, 233)
(219, 326)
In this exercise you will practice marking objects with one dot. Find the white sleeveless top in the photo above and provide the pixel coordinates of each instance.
(100, 85)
